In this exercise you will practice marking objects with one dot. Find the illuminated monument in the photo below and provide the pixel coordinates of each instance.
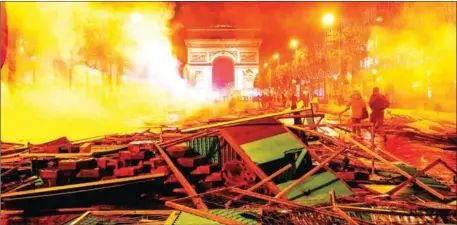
(222, 57)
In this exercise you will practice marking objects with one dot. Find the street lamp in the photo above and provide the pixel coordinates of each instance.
(265, 65)
(276, 56)
(136, 17)
(328, 19)
(293, 44)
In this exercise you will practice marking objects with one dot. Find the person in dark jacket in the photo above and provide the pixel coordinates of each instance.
(378, 103)
(294, 106)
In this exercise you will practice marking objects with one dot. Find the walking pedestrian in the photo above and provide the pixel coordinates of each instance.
(359, 111)
(315, 103)
(284, 100)
(378, 103)
(305, 98)
(297, 121)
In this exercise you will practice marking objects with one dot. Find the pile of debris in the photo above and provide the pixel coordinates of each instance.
(252, 170)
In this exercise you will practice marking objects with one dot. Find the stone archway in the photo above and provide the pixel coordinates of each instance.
(223, 73)
(203, 62)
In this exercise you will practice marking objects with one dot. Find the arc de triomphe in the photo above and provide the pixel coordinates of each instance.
(202, 52)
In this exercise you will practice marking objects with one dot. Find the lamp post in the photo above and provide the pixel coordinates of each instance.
(329, 20)
(276, 57)
(293, 44)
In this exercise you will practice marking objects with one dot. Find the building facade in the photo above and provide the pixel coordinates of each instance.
(206, 46)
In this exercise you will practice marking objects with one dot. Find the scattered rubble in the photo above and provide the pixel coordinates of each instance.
(250, 170)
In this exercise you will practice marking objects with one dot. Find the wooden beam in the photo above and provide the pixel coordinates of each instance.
(237, 121)
(312, 126)
(186, 138)
(58, 210)
(309, 173)
(316, 157)
(402, 172)
(182, 180)
(78, 220)
(201, 213)
(269, 178)
(262, 182)
(82, 185)
(386, 153)
(341, 143)
(321, 115)
(335, 208)
(172, 218)
(381, 211)
(349, 219)
(411, 179)
(108, 149)
(291, 204)
(448, 167)
(247, 160)
(133, 212)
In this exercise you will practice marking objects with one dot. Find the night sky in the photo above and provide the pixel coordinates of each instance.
(277, 21)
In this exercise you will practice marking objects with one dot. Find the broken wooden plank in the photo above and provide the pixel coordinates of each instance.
(187, 138)
(82, 185)
(58, 210)
(262, 182)
(308, 174)
(172, 218)
(290, 204)
(413, 178)
(269, 178)
(80, 218)
(233, 122)
(202, 213)
(445, 164)
(317, 115)
(339, 142)
(182, 180)
(133, 212)
(381, 211)
(315, 157)
(402, 172)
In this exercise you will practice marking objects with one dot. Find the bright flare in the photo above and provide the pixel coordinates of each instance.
(137, 32)
(328, 19)
(293, 44)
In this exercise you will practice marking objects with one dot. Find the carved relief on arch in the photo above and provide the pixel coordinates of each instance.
(231, 54)
(248, 76)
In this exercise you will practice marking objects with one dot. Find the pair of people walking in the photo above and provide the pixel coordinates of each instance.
(378, 103)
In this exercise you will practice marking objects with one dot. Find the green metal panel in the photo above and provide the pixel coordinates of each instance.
(319, 186)
(208, 147)
(187, 218)
(271, 148)
(424, 178)
(232, 214)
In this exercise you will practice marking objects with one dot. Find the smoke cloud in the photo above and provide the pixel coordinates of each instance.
(417, 55)
(82, 41)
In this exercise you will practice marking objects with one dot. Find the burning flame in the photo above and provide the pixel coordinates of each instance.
(55, 35)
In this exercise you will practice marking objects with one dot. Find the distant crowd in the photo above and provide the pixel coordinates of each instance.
(378, 103)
